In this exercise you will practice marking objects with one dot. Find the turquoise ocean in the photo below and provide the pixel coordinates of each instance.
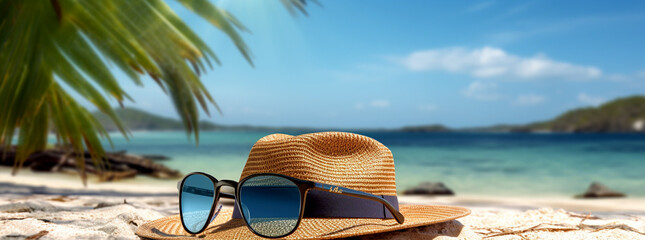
(507, 164)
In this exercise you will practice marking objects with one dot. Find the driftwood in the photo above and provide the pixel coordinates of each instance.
(155, 157)
(117, 165)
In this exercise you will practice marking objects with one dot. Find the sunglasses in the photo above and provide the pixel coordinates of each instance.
(271, 205)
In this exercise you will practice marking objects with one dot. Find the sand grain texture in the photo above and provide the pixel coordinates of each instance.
(77, 217)
(114, 211)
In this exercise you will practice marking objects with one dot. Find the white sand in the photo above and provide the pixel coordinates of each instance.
(61, 208)
(73, 182)
(595, 206)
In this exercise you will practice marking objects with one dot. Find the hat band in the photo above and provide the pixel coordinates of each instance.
(321, 204)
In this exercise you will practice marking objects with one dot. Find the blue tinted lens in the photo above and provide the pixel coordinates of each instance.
(197, 196)
(270, 204)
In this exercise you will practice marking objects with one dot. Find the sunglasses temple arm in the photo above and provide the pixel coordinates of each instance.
(355, 193)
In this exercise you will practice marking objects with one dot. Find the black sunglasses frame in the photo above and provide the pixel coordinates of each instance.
(303, 185)
(217, 184)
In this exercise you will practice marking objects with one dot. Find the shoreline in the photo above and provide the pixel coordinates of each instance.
(27, 182)
(70, 182)
(603, 206)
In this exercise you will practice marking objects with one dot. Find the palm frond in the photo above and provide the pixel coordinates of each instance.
(50, 47)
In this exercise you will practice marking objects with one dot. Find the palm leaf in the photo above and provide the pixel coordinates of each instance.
(48, 48)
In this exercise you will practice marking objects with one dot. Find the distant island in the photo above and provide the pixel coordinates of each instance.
(139, 120)
(620, 115)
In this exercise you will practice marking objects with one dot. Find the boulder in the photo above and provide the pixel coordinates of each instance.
(598, 190)
(429, 188)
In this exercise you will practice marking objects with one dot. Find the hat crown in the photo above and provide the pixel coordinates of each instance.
(338, 158)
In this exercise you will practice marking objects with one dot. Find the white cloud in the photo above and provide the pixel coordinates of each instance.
(641, 74)
(376, 103)
(480, 6)
(517, 9)
(529, 100)
(590, 100)
(489, 62)
(427, 107)
(379, 103)
(537, 28)
(482, 91)
(366, 72)
(618, 77)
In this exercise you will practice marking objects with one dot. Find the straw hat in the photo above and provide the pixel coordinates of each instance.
(343, 159)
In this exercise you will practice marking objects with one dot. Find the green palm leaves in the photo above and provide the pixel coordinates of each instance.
(48, 48)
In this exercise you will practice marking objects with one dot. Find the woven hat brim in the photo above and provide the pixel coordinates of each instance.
(223, 227)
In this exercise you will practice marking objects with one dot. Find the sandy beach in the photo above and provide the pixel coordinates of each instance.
(487, 119)
(51, 206)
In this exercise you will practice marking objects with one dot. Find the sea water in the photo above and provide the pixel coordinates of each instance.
(509, 164)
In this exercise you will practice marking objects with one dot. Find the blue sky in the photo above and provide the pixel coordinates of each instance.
(372, 63)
